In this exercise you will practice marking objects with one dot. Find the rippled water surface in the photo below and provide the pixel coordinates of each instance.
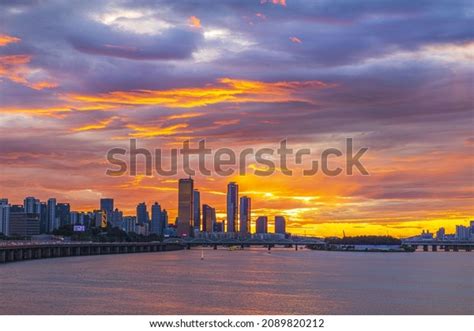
(242, 282)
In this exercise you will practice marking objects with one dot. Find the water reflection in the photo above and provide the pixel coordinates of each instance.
(242, 282)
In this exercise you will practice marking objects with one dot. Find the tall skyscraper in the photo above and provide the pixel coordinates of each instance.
(245, 214)
(31, 205)
(197, 210)
(208, 218)
(142, 214)
(262, 224)
(107, 205)
(53, 224)
(4, 217)
(156, 226)
(185, 207)
(280, 224)
(232, 206)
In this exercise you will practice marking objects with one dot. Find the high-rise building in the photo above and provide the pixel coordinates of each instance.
(245, 214)
(440, 234)
(208, 218)
(280, 224)
(185, 221)
(197, 210)
(142, 214)
(31, 205)
(462, 232)
(107, 206)
(262, 224)
(62, 213)
(24, 224)
(232, 206)
(156, 226)
(4, 217)
(53, 223)
(164, 215)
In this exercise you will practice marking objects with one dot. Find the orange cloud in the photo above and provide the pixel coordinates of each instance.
(6, 39)
(15, 68)
(295, 40)
(53, 110)
(183, 116)
(96, 126)
(275, 2)
(149, 132)
(195, 22)
(43, 85)
(227, 90)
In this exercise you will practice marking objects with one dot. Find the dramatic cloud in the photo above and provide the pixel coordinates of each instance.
(228, 90)
(6, 39)
(77, 79)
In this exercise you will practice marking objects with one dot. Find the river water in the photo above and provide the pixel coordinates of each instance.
(242, 282)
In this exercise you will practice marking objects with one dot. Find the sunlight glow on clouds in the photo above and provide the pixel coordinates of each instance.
(80, 79)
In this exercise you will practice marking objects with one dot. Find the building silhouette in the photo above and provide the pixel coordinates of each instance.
(157, 222)
(53, 223)
(262, 224)
(4, 217)
(232, 206)
(280, 224)
(197, 210)
(62, 213)
(107, 206)
(142, 214)
(208, 218)
(185, 220)
(245, 214)
(31, 205)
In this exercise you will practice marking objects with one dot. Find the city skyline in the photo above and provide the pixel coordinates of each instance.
(80, 79)
(156, 218)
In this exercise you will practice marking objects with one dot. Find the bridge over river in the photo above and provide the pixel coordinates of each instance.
(29, 250)
(447, 245)
(247, 242)
(19, 251)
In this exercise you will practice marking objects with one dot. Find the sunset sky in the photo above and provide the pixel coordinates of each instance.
(78, 78)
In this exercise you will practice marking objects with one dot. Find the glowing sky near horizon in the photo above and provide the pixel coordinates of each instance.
(77, 79)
